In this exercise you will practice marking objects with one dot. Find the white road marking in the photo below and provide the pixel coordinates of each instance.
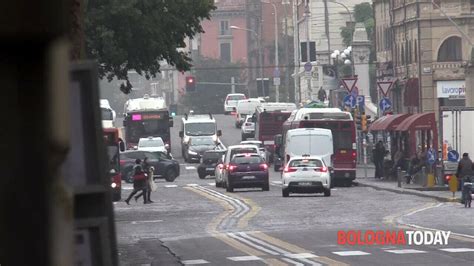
(456, 250)
(244, 258)
(168, 186)
(351, 253)
(405, 251)
(252, 244)
(263, 243)
(192, 185)
(211, 184)
(301, 256)
(293, 262)
(190, 167)
(194, 262)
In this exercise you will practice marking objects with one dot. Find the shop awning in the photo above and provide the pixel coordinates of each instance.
(388, 122)
(418, 122)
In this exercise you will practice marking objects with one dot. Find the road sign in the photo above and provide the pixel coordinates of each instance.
(385, 104)
(360, 100)
(308, 67)
(384, 86)
(350, 101)
(276, 72)
(349, 83)
(276, 81)
(453, 156)
(431, 157)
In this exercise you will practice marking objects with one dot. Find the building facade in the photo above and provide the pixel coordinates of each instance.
(424, 52)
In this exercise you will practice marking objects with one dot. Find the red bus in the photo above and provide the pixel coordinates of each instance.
(344, 137)
(114, 145)
(269, 120)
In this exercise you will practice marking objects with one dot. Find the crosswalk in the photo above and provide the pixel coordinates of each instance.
(343, 253)
(126, 186)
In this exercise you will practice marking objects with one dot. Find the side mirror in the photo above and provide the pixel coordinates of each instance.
(122, 146)
(181, 134)
(219, 133)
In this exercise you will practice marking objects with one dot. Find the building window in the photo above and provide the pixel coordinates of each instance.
(224, 28)
(225, 52)
(450, 50)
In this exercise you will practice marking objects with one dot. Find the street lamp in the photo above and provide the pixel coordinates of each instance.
(341, 58)
(259, 51)
(275, 15)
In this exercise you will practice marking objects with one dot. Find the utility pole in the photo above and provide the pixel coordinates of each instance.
(326, 26)
(287, 52)
(232, 86)
(308, 57)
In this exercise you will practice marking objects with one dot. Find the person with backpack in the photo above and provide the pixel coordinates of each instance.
(139, 181)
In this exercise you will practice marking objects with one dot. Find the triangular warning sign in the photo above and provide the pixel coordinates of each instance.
(349, 83)
(385, 86)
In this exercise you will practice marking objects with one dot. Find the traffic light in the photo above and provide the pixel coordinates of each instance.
(368, 122)
(357, 119)
(190, 83)
(363, 122)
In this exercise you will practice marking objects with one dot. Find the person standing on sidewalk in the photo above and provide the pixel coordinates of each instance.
(379, 155)
(465, 168)
(139, 181)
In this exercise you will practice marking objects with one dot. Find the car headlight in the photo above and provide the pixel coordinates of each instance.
(192, 152)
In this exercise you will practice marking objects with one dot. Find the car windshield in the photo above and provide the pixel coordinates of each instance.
(306, 163)
(151, 143)
(247, 159)
(200, 129)
(201, 141)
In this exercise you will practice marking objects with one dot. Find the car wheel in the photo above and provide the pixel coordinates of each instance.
(266, 187)
(170, 175)
(202, 176)
(285, 193)
(218, 184)
(229, 188)
(327, 192)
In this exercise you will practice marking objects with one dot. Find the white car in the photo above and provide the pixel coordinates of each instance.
(259, 144)
(248, 128)
(152, 144)
(306, 174)
(231, 101)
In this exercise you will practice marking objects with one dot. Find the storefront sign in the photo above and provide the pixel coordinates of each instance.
(451, 89)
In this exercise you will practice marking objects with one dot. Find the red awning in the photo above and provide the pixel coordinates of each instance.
(388, 122)
(418, 121)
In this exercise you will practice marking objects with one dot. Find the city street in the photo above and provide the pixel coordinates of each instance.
(192, 222)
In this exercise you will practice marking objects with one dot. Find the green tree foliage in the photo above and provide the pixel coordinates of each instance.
(125, 35)
(362, 13)
(210, 97)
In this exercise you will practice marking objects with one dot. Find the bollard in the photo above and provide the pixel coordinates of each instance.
(399, 176)
(423, 176)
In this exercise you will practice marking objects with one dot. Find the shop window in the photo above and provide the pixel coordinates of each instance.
(450, 50)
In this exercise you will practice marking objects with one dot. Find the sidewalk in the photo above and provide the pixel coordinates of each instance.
(439, 193)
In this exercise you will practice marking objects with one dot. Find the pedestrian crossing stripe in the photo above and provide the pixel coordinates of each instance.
(194, 262)
(301, 256)
(456, 250)
(405, 251)
(351, 253)
(169, 186)
(244, 258)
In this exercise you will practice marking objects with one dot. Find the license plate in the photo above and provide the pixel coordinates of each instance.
(304, 183)
(305, 169)
(248, 177)
(209, 169)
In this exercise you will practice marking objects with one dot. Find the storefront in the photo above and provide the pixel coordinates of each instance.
(451, 92)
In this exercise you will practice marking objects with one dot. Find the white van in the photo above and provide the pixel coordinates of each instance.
(309, 142)
(244, 108)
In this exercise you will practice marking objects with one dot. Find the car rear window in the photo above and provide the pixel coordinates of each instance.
(306, 163)
(235, 97)
(240, 151)
(247, 159)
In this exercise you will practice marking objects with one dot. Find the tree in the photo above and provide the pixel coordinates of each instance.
(210, 97)
(363, 12)
(125, 35)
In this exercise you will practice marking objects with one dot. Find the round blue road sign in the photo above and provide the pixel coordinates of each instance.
(350, 100)
(385, 104)
(308, 67)
(453, 156)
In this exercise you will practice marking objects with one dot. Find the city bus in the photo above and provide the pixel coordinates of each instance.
(114, 145)
(146, 117)
(344, 135)
(268, 120)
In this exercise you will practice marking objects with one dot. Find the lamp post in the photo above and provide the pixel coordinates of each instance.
(275, 15)
(342, 57)
(259, 46)
(307, 15)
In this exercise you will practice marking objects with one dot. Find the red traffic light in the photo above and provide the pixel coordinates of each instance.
(190, 83)
(190, 79)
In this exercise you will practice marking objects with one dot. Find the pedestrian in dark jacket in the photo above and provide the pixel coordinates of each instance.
(465, 168)
(139, 181)
(147, 169)
(379, 155)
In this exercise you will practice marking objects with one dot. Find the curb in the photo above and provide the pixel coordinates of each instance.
(409, 192)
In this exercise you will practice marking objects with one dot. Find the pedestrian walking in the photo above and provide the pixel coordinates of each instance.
(150, 184)
(379, 155)
(139, 181)
(465, 168)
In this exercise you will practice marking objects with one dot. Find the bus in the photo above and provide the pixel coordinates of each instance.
(344, 135)
(268, 120)
(114, 145)
(146, 117)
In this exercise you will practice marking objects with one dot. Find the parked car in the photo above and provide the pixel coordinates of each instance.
(209, 161)
(248, 128)
(306, 174)
(152, 144)
(246, 171)
(165, 166)
(197, 146)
